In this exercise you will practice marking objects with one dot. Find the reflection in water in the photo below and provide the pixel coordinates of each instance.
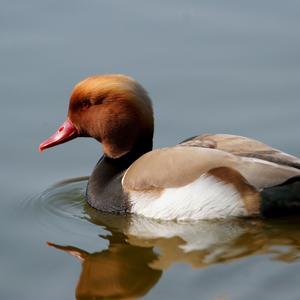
(121, 271)
(140, 248)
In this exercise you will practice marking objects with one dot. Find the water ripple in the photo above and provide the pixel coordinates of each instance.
(60, 210)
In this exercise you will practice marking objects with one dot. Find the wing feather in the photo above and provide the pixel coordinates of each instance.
(178, 166)
(244, 147)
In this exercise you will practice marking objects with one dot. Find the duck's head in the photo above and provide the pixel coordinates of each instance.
(113, 109)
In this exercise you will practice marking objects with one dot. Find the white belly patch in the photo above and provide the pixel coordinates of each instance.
(205, 198)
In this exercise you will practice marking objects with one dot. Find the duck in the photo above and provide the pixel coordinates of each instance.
(210, 176)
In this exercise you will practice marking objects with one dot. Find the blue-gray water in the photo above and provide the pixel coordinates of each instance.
(209, 66)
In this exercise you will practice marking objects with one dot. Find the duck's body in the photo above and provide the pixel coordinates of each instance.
(208, 176)
(193, 180)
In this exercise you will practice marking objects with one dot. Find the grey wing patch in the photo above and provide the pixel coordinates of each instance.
(203, 143)
(277, 157)
(243, 147)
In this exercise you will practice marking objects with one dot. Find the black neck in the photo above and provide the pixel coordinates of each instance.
(104, 190)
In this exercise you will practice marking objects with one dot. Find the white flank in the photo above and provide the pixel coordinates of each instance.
(205, 198)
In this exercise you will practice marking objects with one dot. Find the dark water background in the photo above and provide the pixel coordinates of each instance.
(209, 66)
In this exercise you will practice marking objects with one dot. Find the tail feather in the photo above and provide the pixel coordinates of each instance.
(281, 200)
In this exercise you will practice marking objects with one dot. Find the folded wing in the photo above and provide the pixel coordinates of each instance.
(261, 165)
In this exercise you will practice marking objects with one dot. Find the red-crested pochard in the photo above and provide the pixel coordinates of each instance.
(204, 177)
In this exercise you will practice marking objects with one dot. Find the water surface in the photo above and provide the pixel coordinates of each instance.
(139, 252)
(209, 66)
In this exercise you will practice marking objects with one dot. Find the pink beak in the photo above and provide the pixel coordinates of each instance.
(66, 132)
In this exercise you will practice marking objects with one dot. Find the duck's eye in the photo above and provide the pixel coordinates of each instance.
(85, 105)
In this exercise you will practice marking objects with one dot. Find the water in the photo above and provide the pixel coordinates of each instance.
(139, 253)
(209, 66)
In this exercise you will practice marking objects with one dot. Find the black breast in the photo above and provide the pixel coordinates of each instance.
(104, 191)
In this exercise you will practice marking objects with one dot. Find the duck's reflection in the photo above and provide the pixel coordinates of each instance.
(140, 249)
(121, 271)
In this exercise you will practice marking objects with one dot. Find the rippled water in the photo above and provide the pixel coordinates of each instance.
(209, 66)
(140, 254)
